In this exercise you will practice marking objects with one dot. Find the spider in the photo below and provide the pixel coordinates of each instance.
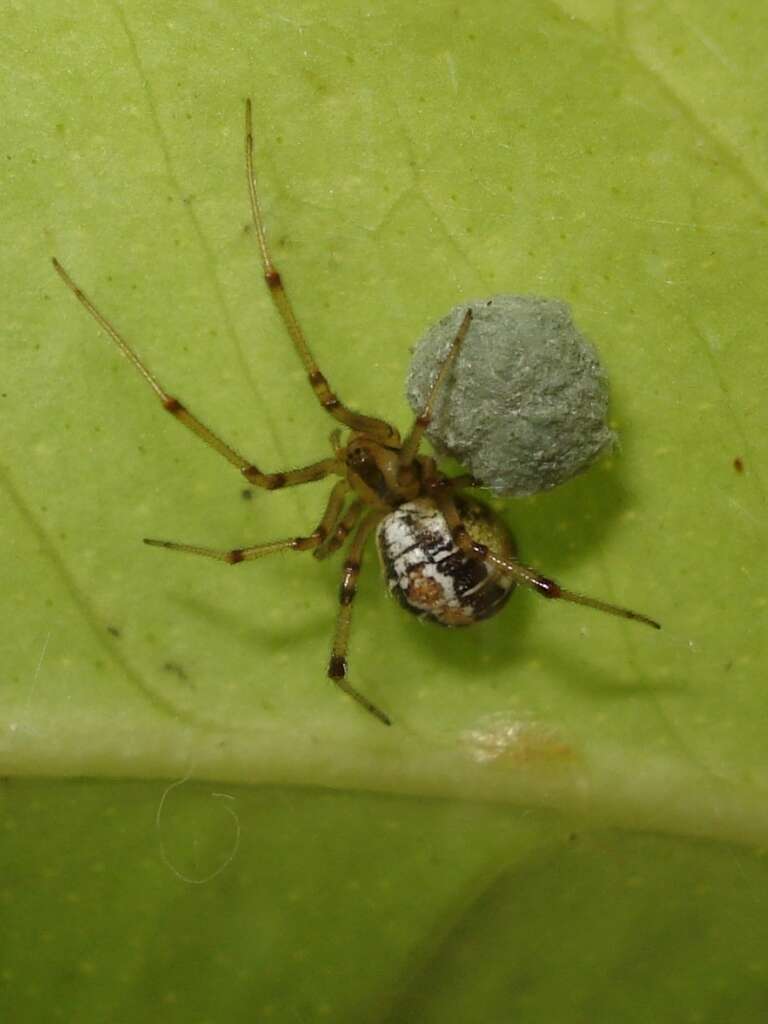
(447, 557)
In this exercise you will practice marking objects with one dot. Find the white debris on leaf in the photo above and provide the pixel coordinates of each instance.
(508, 737)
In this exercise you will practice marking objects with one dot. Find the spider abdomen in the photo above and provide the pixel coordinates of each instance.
(428, 573)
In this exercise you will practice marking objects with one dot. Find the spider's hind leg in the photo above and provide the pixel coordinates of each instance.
(337, 666)
(522, 573)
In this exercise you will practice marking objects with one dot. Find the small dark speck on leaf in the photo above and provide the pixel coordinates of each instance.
(113, 630)
(738, 464)
(176, 669)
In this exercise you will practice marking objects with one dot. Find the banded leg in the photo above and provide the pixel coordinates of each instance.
(424, 418)
(344, 527)
(523, 573)
(337, 666)
(376, 428)
(270, 481)
(237, 555)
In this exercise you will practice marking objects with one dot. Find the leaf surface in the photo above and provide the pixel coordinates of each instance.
(408, 158)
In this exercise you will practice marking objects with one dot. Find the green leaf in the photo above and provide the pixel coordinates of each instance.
(565, 820)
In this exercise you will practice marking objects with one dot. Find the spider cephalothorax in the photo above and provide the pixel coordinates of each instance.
(447, 557)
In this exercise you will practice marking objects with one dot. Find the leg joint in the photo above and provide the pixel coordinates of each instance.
(464, 541)
(547, 587)
(349, 582)
(305, 543)
(337, 667)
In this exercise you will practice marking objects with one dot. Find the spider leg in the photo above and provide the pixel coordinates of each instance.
(270, 481)
(376, 428)
(237, 555)
(337, 666)
(523, 573)
(424, 418)
(341, 531)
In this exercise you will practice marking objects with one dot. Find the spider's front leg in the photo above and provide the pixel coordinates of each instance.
(522, 573)
(424, 418)
(327, 398)
(269, 481)
(337, 666)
